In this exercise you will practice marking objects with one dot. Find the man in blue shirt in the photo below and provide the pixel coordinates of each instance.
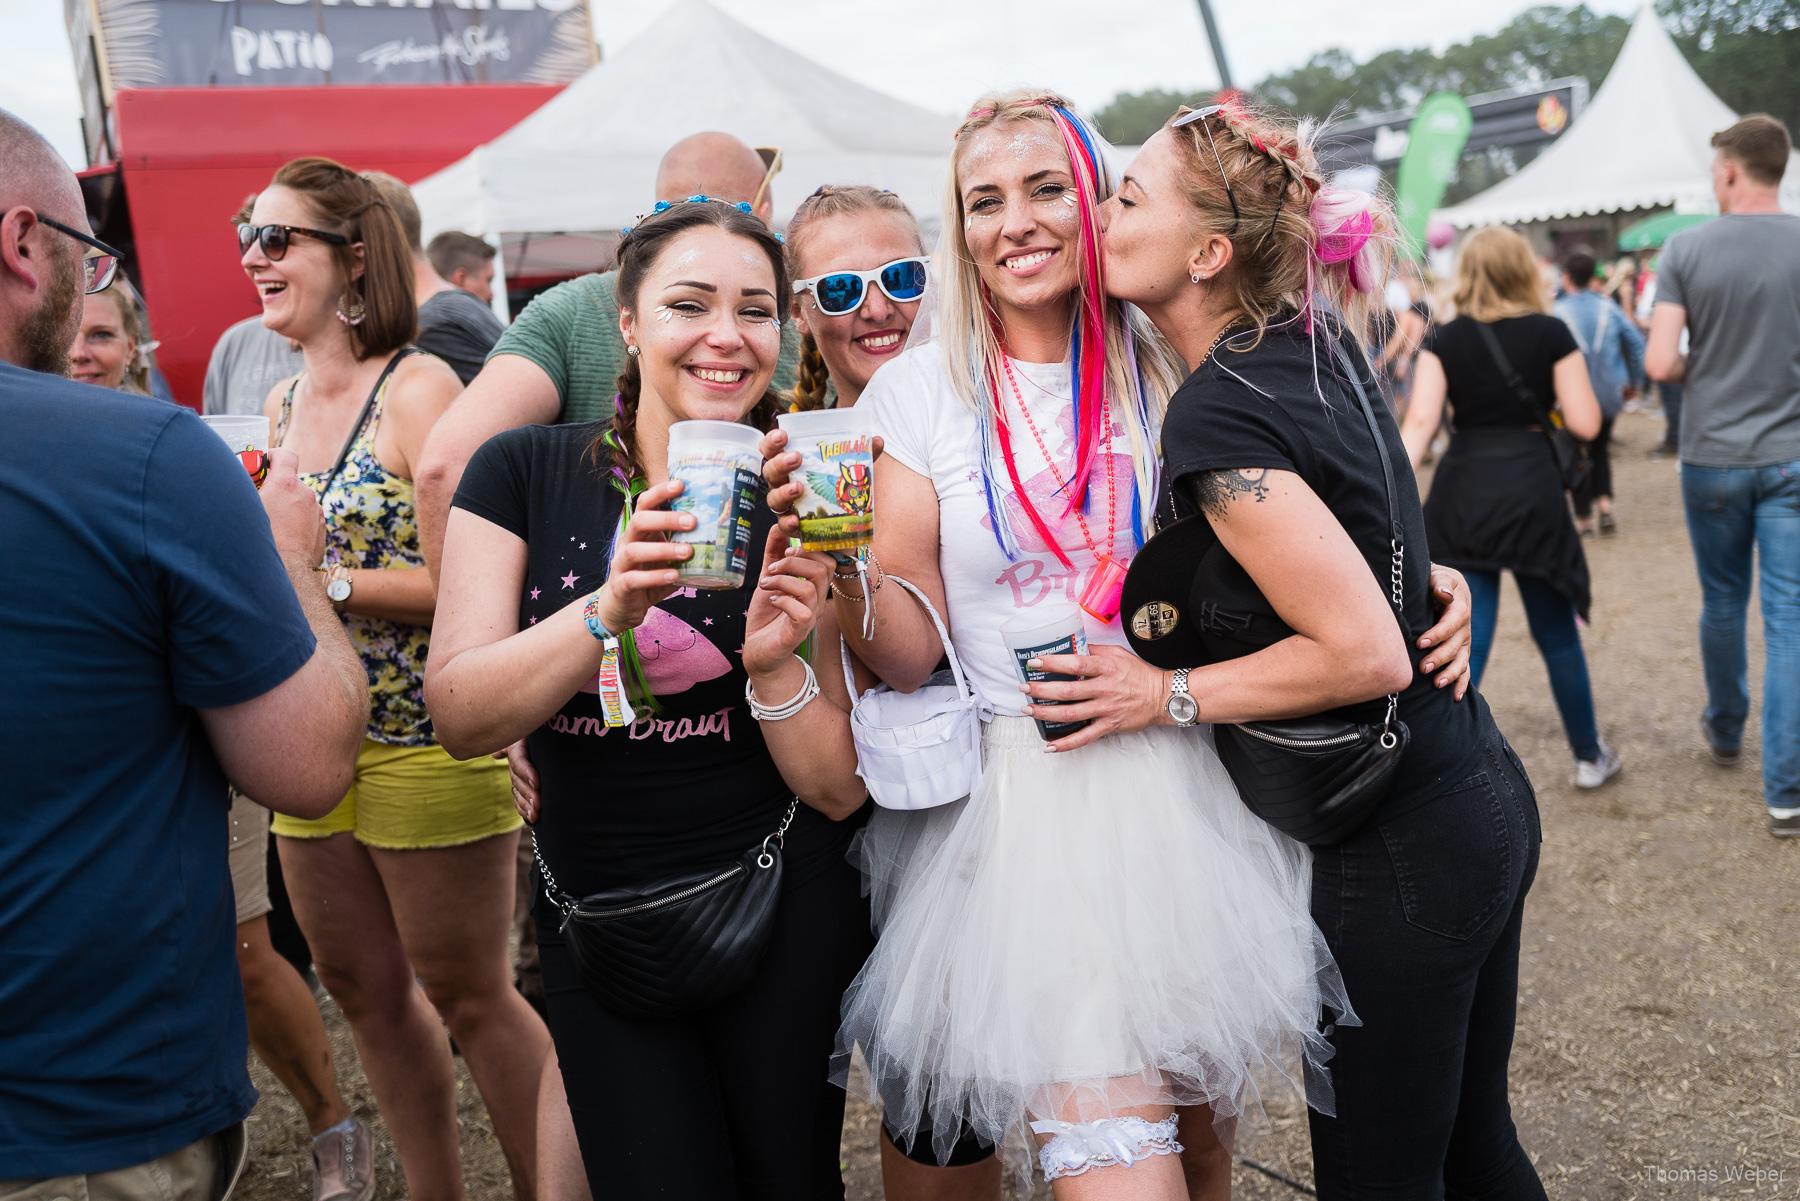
(1615, 361)
(162, 633)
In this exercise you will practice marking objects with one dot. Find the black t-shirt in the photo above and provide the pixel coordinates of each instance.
(1477, 392)
(1261, 408)
(679, 790)
(459, 329)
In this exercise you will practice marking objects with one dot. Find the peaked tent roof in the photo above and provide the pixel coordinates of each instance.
(586, 160)
(1644, 141)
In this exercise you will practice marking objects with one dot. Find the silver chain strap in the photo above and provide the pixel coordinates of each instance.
(565, 904)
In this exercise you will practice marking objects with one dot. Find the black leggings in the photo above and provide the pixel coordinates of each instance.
(732, 1103)
(1423, 911)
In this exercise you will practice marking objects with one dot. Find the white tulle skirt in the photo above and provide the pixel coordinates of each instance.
(1090, 932)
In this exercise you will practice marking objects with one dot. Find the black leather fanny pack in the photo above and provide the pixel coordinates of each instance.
(679, 944)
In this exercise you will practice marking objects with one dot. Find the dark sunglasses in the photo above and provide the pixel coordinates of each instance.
(1200, 115)
(98, 269)
(840, 293)
(275, 239)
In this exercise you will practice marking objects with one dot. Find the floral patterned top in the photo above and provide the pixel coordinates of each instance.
(370, 523)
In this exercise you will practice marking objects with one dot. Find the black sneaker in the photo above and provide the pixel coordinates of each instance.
(1724, 756)
(1607, 525)
(1785, 827)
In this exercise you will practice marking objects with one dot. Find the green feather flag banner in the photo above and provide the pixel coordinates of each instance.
(1434, 146)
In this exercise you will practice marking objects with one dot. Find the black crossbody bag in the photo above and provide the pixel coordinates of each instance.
(674, 945)
(1571, 455)
(1318, 778)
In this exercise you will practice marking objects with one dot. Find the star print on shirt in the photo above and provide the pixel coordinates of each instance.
(568, 581)
(534, 621)
(536, 592)
(706, 621)
(583, 546)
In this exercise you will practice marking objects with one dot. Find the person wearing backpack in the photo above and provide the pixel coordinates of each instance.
(1614, 350)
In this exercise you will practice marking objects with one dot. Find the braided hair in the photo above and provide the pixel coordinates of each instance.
(638, 251)
(831, 200)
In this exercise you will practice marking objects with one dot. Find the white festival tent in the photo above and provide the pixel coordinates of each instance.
(1643, 142)
(556, 187)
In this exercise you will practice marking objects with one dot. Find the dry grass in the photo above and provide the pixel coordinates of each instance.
(1658, 1050)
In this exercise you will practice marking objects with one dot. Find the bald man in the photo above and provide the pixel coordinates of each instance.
(165, 633)
(560, 361)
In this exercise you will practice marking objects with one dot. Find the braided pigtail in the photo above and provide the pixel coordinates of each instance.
(812, 378)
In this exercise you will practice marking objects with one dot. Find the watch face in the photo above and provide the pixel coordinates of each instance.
(1183, 709)
(338, 590)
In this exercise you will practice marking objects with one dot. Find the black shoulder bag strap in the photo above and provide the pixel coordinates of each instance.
(1534, 405)
(1396, 532)
(362, 419)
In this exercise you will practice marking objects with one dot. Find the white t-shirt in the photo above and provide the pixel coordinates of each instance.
(931, 430)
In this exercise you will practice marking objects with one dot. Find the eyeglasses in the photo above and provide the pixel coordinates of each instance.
(275, 239)
(840, 293)
(1200, 115)
(98, 269)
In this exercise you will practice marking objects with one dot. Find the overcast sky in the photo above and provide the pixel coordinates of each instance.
(940, 53)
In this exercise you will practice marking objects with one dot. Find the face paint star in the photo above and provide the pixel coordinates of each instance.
(568, 581)
(536, 592)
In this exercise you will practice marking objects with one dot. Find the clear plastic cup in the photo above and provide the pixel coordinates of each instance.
(721, 469)
(1039, 634)
(248, 437)
(837, 465)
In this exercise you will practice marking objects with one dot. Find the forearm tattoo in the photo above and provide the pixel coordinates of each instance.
(1215, 490)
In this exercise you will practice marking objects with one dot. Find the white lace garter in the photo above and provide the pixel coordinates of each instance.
(1078, 1146)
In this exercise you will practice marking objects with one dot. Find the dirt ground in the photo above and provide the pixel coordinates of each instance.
(1658, 1047)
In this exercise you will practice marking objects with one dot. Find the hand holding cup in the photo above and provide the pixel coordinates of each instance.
(644, 571)
(295, 518)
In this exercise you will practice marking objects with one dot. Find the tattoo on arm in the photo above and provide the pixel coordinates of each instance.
(1215, 490)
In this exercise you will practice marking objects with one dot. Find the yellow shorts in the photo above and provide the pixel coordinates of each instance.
(409, 798)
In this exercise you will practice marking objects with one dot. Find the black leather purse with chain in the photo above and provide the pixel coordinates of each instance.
(676, 945)
(1315, 778)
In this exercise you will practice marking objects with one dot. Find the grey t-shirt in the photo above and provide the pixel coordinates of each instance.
(457, 328)
(248, 360)
(1739, 279)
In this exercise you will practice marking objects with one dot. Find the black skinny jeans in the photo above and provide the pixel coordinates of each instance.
(732, 1103)
(1599, 481)
(1422, 910)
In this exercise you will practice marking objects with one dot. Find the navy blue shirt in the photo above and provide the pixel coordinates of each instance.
(141, 584)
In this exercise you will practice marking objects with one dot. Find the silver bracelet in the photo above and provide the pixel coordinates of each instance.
(809, 690)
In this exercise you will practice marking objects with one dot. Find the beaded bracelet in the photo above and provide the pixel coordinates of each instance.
(809, 690)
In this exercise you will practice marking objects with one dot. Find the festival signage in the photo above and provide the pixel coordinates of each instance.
(1434, 146)
(1521, 118)
(311, 43)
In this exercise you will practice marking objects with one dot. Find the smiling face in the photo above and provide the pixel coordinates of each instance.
(1021, 222)
(854, 345)
(1149, 229)
(705, 321)
(103, 349)
(299, 294)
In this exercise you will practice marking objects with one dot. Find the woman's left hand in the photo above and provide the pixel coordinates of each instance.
(785, 605)
(1448, 640)
(1114, 690)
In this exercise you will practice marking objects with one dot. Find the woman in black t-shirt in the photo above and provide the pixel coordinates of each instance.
(732, 1101)
(1497, 501)
(1261, 277)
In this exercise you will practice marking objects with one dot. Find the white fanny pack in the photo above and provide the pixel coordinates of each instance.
(920, 749)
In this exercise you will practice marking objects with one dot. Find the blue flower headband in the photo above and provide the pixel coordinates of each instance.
(663, 206)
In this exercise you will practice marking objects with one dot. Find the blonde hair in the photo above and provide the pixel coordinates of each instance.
(1497, 276)
(832, 200)
(131, 320)
(1297, 244)
(1140, 372)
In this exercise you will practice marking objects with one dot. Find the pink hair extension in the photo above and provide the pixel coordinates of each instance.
(1345, 228)
(1090, 387)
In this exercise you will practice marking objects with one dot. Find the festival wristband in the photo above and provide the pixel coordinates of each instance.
(615, 706)
(595, 626)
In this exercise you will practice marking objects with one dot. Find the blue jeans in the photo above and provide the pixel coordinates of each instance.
(1551, 616)
(1731, 512)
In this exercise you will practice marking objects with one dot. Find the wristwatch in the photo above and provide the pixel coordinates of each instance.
(337, 585)
(1182, 708)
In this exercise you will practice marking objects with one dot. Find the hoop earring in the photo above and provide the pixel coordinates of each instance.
(354, 314)
(632, 350)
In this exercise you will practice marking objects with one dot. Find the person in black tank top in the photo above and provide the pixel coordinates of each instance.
(1261, 277)
(556, 549)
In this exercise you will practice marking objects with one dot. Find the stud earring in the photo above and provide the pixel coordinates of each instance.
(1195, 276)
(354, 312)
(632, 350)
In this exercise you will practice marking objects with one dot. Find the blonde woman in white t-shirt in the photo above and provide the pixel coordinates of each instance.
(1102, 943)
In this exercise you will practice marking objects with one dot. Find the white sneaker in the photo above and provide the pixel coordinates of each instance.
(1592, 773)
